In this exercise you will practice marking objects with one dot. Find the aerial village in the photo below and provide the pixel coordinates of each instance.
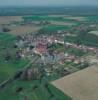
(41, 49)
(52, 54)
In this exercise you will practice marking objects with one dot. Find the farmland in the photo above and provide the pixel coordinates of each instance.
(39, 93)
(94, 32)
(61, 45)
(8, 19)
(17, 30)
(6, 46)
(81, 85)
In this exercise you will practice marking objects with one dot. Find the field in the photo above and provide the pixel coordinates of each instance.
(81, 85)
(38, 93)
(54, 28)
(7, 69)
(62, 23)
(94, 32)
(8, 19)
(26, 29)
(84, 38)
(76, 18)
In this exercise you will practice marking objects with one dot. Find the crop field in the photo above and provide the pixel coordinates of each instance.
(26, 29)
(84, 38)
(8, 68)
(8, 19)
(75, 18)
(39, 93)
(53, 28)
(49, 18)
(91, 18)
(94, 32)
(78, 85)
(81, 85)
(62, 23)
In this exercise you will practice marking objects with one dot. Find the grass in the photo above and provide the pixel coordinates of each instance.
(83, 38)
(56, 47)
(75, 51)
(92, 18)
(40, 93)
(54, 28)
(40, 18)
(60, 48)
(9, 68)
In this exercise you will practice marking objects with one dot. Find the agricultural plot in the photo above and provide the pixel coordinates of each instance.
(49, 18)
(94, 32)
(83, 38)
(8, 19)
(40, 89)
(32, 90)
(54, 28)
(62, 23)
(26, 29)
(92, 18)
(76, 18)
(81, 85)
(8, 68)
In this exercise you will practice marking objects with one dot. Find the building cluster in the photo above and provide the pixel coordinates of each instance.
(81, 47)
(30, 44)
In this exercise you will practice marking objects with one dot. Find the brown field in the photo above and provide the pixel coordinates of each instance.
(8, 19)
(82, 85)
(62, 23)
(17, 30)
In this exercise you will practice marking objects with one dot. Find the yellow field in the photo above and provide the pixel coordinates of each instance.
(82, 85)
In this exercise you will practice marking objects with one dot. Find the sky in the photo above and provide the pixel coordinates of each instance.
(47, 2)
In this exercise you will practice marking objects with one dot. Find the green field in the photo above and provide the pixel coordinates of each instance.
(36, 90)
(83, 38)
(9, 68)
(39, 93)
(92, 18)
(54, 28)
(48, 18)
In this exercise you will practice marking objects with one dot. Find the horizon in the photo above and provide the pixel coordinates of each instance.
(48, 3)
